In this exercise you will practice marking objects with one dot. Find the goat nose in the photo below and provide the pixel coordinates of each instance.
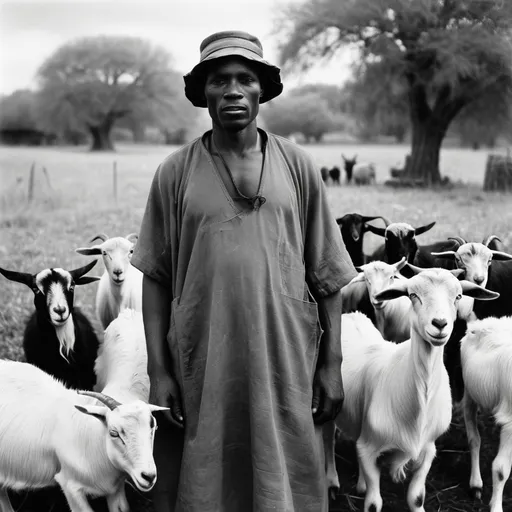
(60, 310)
(118, 272)
(149, 477)
(439, 323)
(479, 279)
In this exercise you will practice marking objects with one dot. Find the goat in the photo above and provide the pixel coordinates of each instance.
(400, 241)
(486, 354)
(58, 337)
(391, 316)
(121, 284)
(348, 165)
(364, 174)
(45, 441)
(121, 365)
(353, 227)
(334, 173)
(477, 261)
(397, 396)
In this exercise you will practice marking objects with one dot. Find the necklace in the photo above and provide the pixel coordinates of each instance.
(256, 201)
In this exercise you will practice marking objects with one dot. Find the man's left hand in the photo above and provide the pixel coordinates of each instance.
(328, 393)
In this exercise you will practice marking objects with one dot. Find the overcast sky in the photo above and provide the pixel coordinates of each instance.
(31, 30)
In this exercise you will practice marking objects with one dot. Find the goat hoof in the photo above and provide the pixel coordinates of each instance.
(476, 493)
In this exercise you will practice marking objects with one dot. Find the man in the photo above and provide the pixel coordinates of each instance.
(243, 263)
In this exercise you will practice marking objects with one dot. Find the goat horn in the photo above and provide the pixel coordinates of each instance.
(458, 239)
(490, 238)
(99, 236)
(415, 269)
(110, 402)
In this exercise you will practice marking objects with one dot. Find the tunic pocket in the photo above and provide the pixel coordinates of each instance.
(293, 272)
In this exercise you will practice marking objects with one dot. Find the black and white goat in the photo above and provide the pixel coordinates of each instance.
(59, 338)
(353, 227)
(397, 396)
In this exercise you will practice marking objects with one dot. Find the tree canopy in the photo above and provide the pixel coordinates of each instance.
(95, 81)
(446, 52)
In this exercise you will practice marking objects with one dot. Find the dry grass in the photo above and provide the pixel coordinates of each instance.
(78, 202)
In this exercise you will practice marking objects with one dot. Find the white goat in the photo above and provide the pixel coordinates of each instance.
(50, 435)
(120, 285)
(486, 354)
(364, 174)
(121, 365)
(397, 396)
(391, 316)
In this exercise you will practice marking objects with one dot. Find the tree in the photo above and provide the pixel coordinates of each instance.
(308, 114)
(96, 81)
(448, 53)
(18, 111)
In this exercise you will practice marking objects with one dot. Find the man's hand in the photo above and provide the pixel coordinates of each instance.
(165, 392)
(328, 393)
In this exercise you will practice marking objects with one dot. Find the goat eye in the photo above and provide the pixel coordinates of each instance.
(36, 290)
(413, 296)
(104, 253)
(72, 288)
(459, 296)
(114, 433)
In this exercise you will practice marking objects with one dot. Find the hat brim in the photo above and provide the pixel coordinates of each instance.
(270, 76)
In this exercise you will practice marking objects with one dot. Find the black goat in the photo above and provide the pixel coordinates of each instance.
(348, 164)
(59, 338)
(400, 241)
(335, 173)
(353, 227)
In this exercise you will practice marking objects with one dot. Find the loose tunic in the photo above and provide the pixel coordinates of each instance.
(244, 330)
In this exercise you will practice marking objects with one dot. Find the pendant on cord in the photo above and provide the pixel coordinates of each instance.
(256, 202)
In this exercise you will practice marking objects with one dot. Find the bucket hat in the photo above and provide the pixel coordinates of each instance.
(227, 44)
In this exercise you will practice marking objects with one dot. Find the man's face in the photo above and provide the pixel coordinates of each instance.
(232, 91)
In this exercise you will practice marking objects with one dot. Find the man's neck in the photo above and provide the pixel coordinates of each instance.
(238, 144)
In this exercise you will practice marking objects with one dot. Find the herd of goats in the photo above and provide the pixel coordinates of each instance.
(423, 327)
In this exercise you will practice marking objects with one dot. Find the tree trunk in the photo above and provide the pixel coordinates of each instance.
(101, 140)
(426, 145)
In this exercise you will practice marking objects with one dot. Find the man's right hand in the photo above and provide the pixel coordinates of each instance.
(165, 392)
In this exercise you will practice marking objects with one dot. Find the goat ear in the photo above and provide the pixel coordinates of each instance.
(132, 237)
(19, 277)
(97, 411)
(445, 254)
(360, 276)
(89, 251)
(87, 279)
(477, 292)
(423, 229)
(79, 272)
(376, 230)
(393, 292)
(503, 256)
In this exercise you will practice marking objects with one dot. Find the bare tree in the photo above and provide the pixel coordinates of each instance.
(448, 52)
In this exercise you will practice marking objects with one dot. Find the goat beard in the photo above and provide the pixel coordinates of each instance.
(66, 336)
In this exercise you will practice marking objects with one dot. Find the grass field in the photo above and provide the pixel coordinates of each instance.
(75, 199)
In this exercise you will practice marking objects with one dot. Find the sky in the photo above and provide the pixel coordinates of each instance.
(31, 30)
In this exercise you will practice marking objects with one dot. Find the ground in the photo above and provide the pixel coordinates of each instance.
(76, 195)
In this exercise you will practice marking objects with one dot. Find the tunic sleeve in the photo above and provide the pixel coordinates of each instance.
(328, 264)
(153, 252)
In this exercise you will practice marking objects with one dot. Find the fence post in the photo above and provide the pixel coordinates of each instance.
(114, 177)
(31, 180)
